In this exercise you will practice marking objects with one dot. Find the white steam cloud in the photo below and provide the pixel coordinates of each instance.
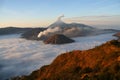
(50, 31)
(67, 30)
(60, 17)
(70, 32)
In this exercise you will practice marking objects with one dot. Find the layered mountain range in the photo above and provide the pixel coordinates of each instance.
(69, 30)
(58, 27)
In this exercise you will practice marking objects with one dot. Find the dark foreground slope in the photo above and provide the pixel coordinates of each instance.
(99, 63)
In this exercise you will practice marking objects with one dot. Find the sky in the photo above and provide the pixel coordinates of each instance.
(36, 13)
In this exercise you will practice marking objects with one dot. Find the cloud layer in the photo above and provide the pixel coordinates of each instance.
(19, 56)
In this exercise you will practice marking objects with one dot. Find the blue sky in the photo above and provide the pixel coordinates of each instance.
(32, 13)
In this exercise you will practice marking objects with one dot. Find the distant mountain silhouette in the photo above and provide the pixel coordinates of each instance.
(13, 30)
(67, 29)
(58, 23)
(58, 39)
(72, 30)
(99, 63)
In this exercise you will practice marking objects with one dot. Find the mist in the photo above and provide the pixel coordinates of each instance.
(21, 57)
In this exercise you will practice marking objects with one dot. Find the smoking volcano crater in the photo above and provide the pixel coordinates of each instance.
(67, 29)
(71, 30)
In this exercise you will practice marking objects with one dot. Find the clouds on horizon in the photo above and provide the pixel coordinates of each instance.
(96, 20)
(90, 20)
(43, 12)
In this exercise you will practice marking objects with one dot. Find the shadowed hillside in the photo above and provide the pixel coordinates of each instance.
(13, 30)
(99, 63)
(32, 34)
(27, 33)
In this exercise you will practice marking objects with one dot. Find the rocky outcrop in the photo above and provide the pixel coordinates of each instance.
(117, 35)
(58, 39)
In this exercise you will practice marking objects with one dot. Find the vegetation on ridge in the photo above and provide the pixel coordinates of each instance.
(99, 63)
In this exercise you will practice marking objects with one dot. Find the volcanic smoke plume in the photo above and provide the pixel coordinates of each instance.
(69, 30)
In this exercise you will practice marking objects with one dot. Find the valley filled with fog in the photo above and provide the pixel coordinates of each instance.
(20, 56)
(34, 32)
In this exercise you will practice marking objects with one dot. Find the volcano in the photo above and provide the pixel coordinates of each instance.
(67, 29)
(58, 39)
(72, 30)
(58, 23)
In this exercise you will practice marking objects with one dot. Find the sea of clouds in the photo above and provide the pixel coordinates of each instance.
(20, 57)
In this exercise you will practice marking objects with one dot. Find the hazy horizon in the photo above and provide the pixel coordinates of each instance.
(41, 13)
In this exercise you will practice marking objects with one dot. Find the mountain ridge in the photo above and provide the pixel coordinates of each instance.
(13, 30)
(99, 63)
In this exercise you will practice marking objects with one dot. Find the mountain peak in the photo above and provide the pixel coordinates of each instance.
(58, 23)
